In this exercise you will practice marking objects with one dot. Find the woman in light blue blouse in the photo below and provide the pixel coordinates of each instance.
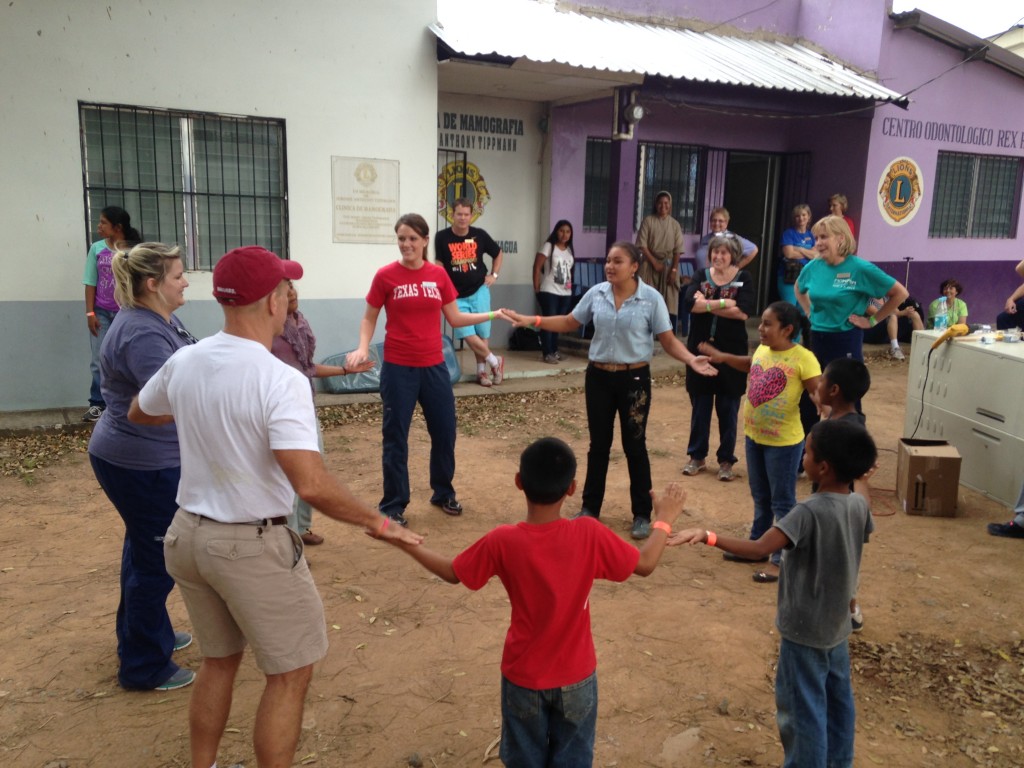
(797, 251)
(627, 315)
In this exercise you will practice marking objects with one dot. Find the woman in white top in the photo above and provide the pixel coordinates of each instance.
(552, 282)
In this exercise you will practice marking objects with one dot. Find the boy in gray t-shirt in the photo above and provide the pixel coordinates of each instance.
(823, 537)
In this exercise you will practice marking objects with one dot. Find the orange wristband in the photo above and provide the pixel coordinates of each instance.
(383, 526)
(536, 322)
(712, 538)
(661, 525)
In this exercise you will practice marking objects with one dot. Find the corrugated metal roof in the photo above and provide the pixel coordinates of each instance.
(536, 30)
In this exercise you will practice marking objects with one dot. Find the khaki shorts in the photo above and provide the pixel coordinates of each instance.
(247, 584)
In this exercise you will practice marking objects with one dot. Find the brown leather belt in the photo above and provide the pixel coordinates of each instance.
(279, 520)
(619, 366)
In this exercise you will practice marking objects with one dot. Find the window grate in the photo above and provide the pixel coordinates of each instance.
(597, 185)
(677, 168)
(975, 196)
(207, 182)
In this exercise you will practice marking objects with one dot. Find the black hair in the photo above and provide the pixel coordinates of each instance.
(119, 217)
(787, 315)
(553, 237)
(546, 470)
(951, 282)
(851, 376)
(847, 447)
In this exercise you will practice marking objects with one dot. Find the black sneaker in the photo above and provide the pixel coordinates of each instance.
(584, 512)
(398, 518)
(1010, 530)
(449, 506)
(641, 528)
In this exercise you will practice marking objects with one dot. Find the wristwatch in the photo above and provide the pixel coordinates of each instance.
(494, 275)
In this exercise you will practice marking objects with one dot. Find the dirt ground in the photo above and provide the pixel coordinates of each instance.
(685, 657)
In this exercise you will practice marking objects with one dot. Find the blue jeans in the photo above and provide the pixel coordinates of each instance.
(814, 699)
(771, 471)
(628, 395)
(106, 317)
(145, 638)
(401, 387)
(549, 729)
(727, 408)
(828, 345)
(551, 305)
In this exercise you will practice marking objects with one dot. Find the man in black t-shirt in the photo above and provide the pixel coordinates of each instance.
(460, 249)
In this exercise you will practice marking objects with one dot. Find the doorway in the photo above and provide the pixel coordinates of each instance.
(751, 195)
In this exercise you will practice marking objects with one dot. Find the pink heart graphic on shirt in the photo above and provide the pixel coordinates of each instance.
(765, 385)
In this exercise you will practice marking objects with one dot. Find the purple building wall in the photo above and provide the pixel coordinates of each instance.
(974, 95)
(848, 154)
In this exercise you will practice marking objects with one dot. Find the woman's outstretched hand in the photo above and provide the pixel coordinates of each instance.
(702, 365)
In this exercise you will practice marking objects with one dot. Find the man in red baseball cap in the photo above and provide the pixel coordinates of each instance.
(247, 431)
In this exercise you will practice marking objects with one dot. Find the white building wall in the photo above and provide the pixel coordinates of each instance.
(349, 79)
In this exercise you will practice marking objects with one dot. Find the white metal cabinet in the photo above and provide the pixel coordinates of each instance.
(973, 399)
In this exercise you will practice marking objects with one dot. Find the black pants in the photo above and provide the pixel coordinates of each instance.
(627, 394)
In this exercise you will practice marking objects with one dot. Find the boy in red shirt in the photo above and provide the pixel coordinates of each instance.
(548, 565)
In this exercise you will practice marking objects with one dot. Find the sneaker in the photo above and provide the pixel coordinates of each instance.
(641, 528)
(449, 506)
(551, 359)
(483, 379)
(179, 679)
(896, 353)
(725, 473)
(182, 640)
(693, 467)
(584, 512)
(1010, 530)
(93, 414)
(558, 356)
(398, 518)
(857, 620)
(498, 371)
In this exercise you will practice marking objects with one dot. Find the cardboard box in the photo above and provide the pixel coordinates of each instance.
(928, 477)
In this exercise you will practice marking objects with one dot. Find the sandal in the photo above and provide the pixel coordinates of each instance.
(763, 577)
(692, 467)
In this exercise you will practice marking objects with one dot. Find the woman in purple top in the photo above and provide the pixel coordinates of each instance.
(138, 466)
(100, 307)
(295, 346)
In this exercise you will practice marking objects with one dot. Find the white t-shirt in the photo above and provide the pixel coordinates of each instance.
(556, 273)
(234, 403)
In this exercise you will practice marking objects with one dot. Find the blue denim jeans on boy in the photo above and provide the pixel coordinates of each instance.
(771, 471)
(401, 387)
(814, 699)
(553, 728)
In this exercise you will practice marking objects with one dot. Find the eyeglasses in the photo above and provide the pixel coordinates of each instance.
(183, 333)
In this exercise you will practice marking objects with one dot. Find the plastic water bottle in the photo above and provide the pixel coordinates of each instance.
(942, 314)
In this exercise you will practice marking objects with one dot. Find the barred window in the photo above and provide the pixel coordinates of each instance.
(676, 168)
(596, 185)
(207, 182)
(975, 196)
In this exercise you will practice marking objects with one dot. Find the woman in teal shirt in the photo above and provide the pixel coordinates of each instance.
(835, 289)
